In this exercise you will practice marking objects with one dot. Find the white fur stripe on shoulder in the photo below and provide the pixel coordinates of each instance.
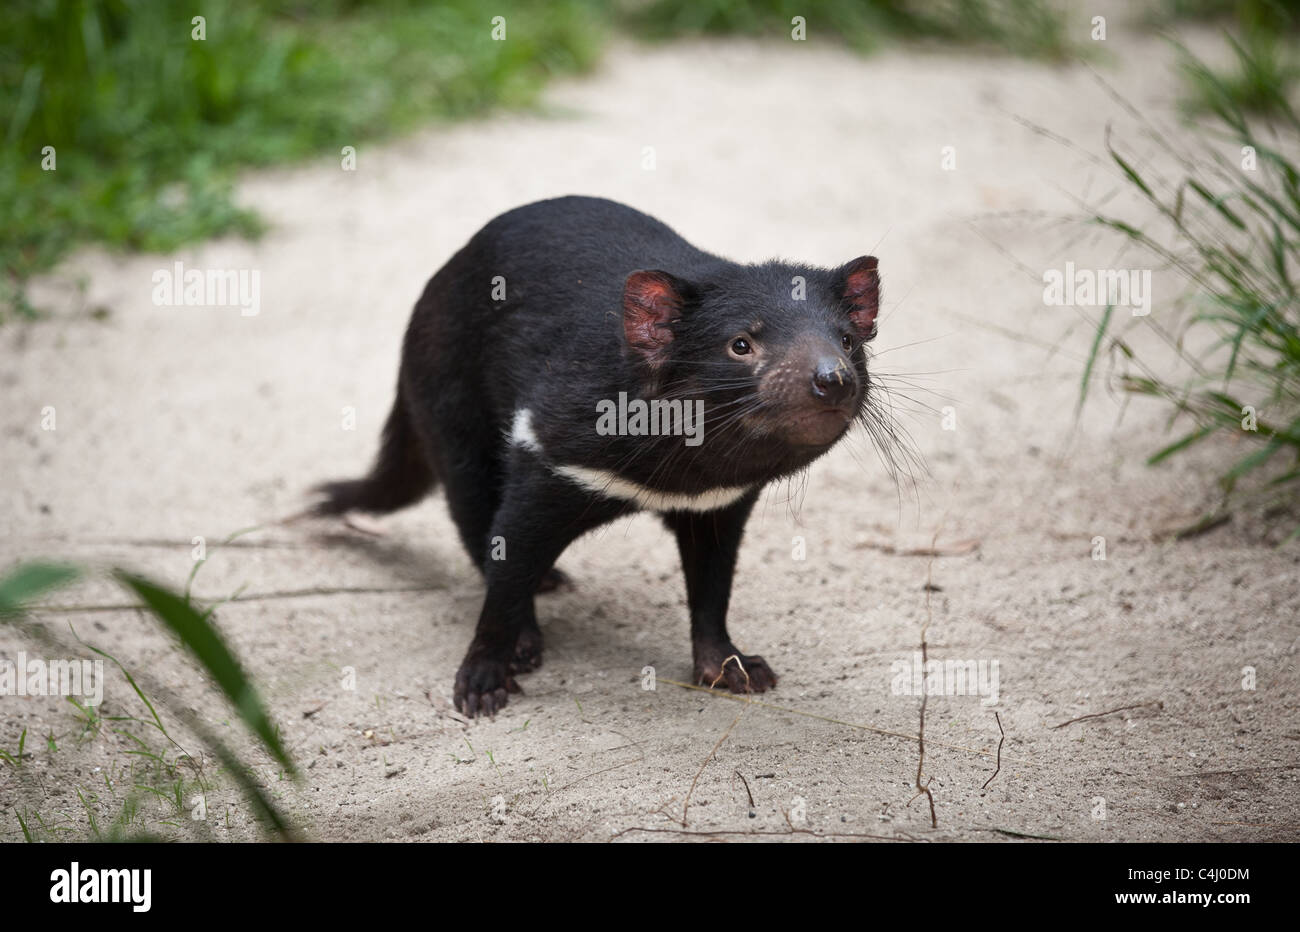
(611, 485)
(521, 431)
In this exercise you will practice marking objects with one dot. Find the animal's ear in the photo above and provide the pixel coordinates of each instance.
(652, 301)
(859, 291)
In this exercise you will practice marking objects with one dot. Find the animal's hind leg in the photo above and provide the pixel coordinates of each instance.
(555, 578)
(473, 484)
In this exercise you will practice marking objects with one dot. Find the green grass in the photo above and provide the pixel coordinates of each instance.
(149, 126)
(1246, 14)
(1261, 82)
(15, 760)
(1264, 36)
(1233, 234)
(1023, 27)
(158, 761)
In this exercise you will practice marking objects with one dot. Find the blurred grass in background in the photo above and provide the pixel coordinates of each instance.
(150, 126)
(1265, 44)
(1022, 27)
(1230, 228)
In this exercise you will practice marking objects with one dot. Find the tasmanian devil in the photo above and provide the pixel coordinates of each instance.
(578, 361)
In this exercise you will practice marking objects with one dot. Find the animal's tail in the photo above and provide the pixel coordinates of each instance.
(401, 475)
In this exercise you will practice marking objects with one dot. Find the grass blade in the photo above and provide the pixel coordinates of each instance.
(209, 648)
(30, 581)
(1092, 357)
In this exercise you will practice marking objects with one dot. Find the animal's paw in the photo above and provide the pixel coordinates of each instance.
(724, 665)
(483, 686)
(554, 580)
(528, 651)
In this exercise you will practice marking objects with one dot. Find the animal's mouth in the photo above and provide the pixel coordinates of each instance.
(819, 427)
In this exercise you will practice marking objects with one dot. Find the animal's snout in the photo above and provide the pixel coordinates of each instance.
(833, 380)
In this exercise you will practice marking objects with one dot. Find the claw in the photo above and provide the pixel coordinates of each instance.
(483, 687)
(740, 673)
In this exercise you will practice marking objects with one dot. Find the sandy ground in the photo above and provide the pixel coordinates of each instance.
(181, 422)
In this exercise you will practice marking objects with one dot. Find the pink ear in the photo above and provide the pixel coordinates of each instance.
(860, 287)
(652, 300)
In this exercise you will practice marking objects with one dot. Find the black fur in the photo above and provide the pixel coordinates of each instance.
(601, 300)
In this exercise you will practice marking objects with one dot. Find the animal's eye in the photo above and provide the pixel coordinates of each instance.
(740, 346)
(846, 341)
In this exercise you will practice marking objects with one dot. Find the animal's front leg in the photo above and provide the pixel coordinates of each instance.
(484, 680)
(540, 515)
(709, 543)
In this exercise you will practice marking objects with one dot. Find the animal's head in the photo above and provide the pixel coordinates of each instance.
(774, 350)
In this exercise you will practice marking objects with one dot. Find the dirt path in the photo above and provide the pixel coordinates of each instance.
(175, 422)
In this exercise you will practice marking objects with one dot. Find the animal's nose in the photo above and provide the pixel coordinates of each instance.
(833, 380)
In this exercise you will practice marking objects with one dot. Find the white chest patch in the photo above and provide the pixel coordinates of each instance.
(521, 431)
(611, 485)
